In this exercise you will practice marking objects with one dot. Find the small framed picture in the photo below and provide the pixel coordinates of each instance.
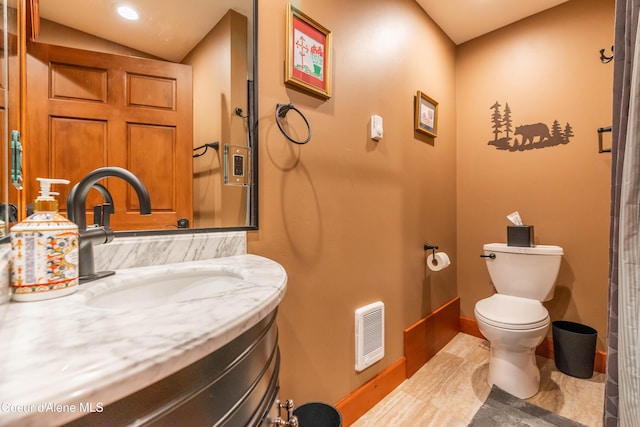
(426, 115)
(308, 56)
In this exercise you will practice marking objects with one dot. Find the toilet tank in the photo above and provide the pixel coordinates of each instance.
(527, 272)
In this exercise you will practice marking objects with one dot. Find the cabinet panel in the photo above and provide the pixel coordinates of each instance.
(78, 83)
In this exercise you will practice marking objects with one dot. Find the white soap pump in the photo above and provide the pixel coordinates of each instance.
(45, 202)
(44, 250)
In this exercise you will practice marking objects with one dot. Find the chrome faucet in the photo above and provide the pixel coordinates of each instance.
(99, 234)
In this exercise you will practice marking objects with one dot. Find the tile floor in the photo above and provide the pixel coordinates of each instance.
(449, 389)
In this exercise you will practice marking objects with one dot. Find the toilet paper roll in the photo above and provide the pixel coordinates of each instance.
(438, 261)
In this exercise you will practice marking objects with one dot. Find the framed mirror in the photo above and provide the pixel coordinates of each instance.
(170, 96)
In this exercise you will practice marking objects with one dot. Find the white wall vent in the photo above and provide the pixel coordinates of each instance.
(369, 335)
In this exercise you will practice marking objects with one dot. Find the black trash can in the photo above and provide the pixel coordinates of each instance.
(317, 414)
(574, 348)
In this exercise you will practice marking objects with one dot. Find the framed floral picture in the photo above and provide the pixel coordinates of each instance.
(426, 115)
(308, 54)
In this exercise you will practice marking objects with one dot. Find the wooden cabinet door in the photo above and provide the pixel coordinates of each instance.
(87, 110)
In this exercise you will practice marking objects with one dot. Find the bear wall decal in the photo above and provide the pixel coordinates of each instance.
(535, 135)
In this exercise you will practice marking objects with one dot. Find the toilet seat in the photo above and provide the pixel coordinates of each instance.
(509, 312)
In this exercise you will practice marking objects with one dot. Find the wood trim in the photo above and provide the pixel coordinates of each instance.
(545, 349)
(24, 135)
(33, 19)
(600, 364)
(470, 327)
(425, 338)
(365, 397)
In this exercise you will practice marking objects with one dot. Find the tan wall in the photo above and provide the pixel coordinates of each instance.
(347, 217)
(547, 68)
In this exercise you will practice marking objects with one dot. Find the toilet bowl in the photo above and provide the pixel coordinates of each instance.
(515, 327)
(513, 320)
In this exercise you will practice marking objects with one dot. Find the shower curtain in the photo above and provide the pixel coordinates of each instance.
(622, 387)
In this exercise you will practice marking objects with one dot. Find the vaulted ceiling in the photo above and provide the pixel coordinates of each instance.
(461, 20)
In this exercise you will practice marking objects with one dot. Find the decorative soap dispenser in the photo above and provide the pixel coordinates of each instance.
(44, 250)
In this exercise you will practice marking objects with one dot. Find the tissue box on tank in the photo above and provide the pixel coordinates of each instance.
(520, 235)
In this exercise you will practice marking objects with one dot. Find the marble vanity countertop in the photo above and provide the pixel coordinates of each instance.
(61, 358)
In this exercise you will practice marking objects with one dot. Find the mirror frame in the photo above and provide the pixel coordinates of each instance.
(5, 152)
(252, 130)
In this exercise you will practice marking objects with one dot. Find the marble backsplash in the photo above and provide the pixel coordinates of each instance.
(129, 252)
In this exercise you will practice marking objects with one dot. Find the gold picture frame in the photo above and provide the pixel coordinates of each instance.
(308, 54)
(426, 115)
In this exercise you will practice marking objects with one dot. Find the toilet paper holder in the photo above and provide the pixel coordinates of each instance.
(432, 248)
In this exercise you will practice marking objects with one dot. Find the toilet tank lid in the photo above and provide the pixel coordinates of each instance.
(533, 250)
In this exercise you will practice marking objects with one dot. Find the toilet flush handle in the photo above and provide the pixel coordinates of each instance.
(491, 255)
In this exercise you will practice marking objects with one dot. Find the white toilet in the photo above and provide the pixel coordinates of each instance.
(514, 320)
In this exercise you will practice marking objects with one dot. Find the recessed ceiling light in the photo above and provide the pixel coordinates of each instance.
(128, 13)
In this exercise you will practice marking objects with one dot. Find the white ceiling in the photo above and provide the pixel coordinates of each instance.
(463, 20)
(167, 29)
